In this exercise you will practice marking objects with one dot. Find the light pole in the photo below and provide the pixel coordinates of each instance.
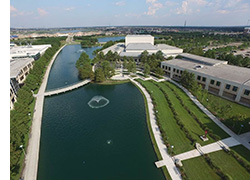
(172, 147)
(241, 126)
(21, 146)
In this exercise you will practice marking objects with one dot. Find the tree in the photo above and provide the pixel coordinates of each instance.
(108, 70)
(188, 80)
(144, 56)
(159, 55)
(131, 66)
(146, 69)
(159, 71)
(238, 118)
(99, 75)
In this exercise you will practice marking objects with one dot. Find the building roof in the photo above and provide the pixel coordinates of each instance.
(227, 72)
(140, 46)
(166, 47)
(17, 64)
(22, 51)
(119, 47)
(202, 60)
(139, 35)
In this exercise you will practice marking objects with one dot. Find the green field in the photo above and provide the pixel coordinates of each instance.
(198, 169)
(195, 168)
(229, 165)
(236, 109)
(174, 134)
(196, 110)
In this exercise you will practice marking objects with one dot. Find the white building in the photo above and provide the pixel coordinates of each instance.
(219, 78)
(19, 69)
(135, 44)
(34, 51)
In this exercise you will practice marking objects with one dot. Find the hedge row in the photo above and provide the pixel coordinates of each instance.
(163, 134)
(20, 116)
(176, 117)
(240, 160)
(215, 168)
(203, 126)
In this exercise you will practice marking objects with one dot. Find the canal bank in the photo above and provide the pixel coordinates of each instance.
(76, 139)
(32, 155)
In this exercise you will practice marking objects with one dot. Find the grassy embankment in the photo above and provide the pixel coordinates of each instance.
(190, 166)
(156, 149)
(226, 118)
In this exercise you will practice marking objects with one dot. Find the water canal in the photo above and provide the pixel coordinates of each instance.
(81, 142)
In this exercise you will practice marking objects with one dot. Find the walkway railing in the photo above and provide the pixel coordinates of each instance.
(66, 88)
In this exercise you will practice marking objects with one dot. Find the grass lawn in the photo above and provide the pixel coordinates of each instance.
(229, 165)
(198, 169)
(243, 152)
(196, 110)
(175, 135)
(192, 126)
(113, 82)
(236, 109)
(157, 152)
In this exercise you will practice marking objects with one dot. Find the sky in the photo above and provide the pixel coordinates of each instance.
(82, 13)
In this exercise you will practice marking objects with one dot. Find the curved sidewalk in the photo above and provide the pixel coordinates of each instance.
(32, 155)
(166, 159)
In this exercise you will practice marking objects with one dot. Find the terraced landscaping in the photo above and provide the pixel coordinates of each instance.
(165, 95)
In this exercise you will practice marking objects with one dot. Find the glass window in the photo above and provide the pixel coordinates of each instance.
(204, 79)
(228, 86)
(247, 92)
(218, 83)
(177, 70)
(174, 69)
(181, 72)
(235, 88)
(169, 68)
(199, 78)
(212, 81)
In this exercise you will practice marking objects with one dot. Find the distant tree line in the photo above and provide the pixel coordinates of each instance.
(21, 115)
(86, 41)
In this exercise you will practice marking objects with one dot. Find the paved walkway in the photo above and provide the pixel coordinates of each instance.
(244, 141)
(167, 160)
(217, 146)
(68, 88)
(32, 155)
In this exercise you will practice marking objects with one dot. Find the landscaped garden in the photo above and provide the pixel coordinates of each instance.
(182, 123)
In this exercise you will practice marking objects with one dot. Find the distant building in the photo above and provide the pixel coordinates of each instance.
(219, 78)
(135, 44)
(19, 69)
(247, 30)
(34, 51)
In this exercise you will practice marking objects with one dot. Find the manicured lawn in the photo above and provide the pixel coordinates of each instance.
(243, 152)
(236, 109)
(175, 135)
(198, 169)
(196, 110)
(229, 165)
(188, 121)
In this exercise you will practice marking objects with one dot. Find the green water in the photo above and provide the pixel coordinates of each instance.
(80, 142)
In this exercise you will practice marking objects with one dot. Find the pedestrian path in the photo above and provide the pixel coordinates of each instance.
(68, 88)
(32, 155)
(217, 146)
(166, 158)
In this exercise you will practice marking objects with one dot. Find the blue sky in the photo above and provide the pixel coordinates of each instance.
(72, 13)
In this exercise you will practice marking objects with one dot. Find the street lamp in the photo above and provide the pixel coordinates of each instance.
(172, 147)
(241, 126)
(21, 146)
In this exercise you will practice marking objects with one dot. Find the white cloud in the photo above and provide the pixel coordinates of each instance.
(120, 3)
(183, 9)
(69, 8)
(14, 12)
(41, 12)
(222, 11)
(153, 7)
(12, 9)
(171, 3)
